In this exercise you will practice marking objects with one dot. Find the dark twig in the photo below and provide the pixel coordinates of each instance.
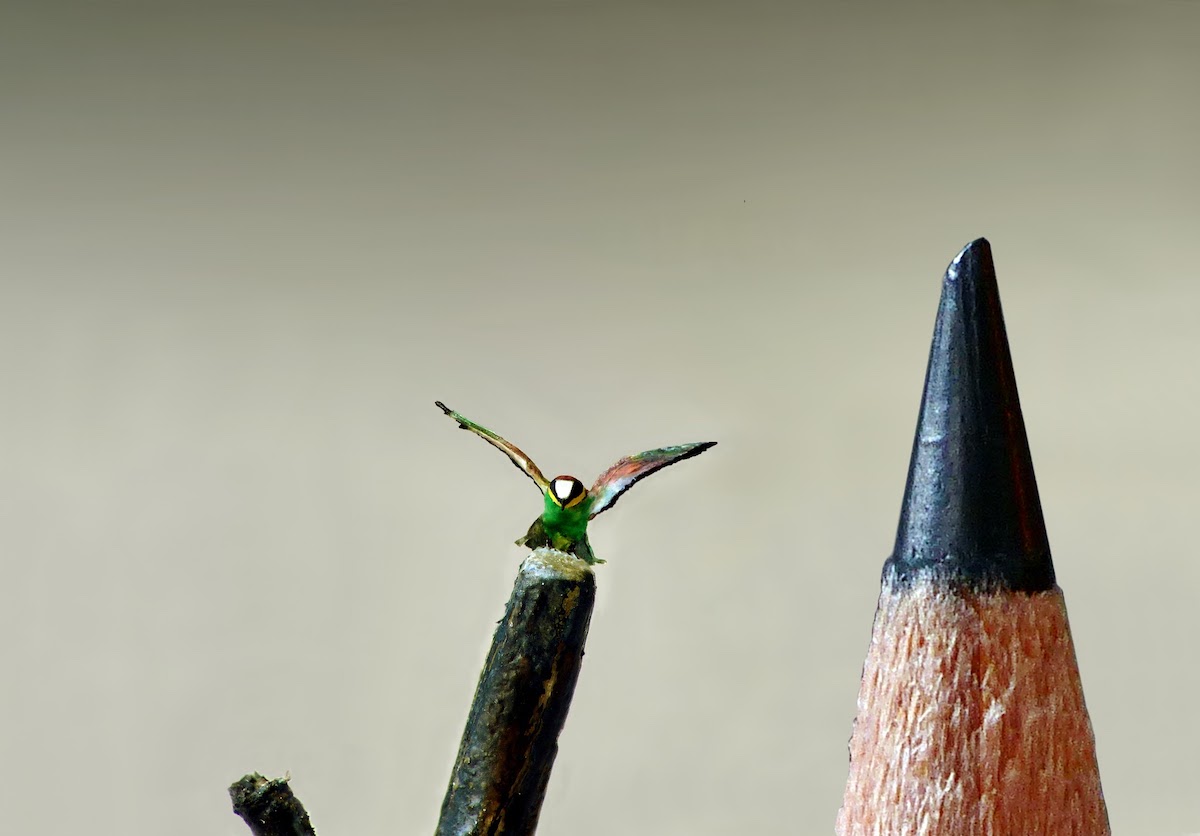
(508, 747)
(269, 807)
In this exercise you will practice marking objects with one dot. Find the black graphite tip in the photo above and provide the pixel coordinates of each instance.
(971, 516)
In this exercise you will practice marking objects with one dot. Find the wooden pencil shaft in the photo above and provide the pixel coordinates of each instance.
(971, 719)
(524, 693)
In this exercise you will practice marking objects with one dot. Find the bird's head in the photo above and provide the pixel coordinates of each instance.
(567, 491)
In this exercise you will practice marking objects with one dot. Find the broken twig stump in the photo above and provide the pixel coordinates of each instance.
(511, 738)
(269, 807)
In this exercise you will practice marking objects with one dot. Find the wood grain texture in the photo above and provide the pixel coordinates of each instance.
(971, 720)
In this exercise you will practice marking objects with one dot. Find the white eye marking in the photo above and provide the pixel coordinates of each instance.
(562, 488)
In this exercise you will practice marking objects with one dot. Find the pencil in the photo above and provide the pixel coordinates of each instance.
(971, 717)
(511, 738)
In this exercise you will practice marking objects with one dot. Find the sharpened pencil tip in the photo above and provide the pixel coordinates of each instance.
(971, 513)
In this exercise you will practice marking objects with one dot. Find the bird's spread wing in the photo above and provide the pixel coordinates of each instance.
(622, 475)
(511, 450)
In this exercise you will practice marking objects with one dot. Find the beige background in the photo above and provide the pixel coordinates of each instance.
(245, 247)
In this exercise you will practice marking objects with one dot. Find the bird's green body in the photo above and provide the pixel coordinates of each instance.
(562, 528)
(568, 505)
(567, 523)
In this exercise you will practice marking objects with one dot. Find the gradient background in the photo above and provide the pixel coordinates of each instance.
(247, 245)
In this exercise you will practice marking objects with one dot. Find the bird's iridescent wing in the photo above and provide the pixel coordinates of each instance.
(511, 450)
(622, 475)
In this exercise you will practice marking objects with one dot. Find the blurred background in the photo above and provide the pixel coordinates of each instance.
(247, 245)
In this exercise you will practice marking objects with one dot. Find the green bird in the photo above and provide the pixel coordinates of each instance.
(568, 505)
